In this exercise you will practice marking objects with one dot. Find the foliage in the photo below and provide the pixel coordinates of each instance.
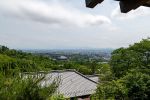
(105, 72)
(58, 97)
(130, 71)
(16, 88)
(111, 90)
(136, 56)
(24, 62)
(12, 86)
(138, 85)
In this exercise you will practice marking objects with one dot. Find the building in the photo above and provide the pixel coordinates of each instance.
(72, 84)
(62, 58)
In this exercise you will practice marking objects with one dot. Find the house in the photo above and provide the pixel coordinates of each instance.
(72, 84)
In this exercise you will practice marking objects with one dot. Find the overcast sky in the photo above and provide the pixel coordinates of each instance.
(54, 24)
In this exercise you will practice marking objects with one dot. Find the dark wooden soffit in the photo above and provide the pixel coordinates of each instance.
(92, 3)
(125, 5)
(128, 5)
(147, 4)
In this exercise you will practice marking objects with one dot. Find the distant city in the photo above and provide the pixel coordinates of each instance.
(70, 54)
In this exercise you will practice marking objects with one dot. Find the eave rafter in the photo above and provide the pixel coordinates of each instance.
(125, 5)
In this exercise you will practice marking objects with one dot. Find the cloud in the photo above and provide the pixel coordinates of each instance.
(141, 11)
(50, 12)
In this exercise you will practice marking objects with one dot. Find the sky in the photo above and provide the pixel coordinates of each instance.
(67, 24)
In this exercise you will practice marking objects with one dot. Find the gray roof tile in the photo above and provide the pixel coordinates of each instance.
(72, 83)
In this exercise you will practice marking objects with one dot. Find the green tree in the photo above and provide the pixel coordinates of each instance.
(16, 88)
(135, 56)
(131, 69)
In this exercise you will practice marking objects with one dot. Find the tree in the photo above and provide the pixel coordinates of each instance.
(16, 88)
(131, 70)
(135, 56)
(112, 90)
(138, 85)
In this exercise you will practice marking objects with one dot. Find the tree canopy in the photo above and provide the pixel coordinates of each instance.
(130, 78)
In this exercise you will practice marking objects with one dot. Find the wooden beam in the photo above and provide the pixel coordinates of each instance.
(92, 3)
(127, 5)
(147, 4)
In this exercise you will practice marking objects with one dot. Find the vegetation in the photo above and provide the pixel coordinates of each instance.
(130, 74)
(125, 77)
(13, 86)
(13, 62)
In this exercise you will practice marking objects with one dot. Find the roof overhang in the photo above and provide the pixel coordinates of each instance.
(147, 4)
(128, 5)
(125, 5)
(92, 3)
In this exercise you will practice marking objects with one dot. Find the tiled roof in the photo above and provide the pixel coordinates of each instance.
(93, 77)
(72, 83)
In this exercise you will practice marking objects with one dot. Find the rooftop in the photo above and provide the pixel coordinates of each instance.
(71, 82)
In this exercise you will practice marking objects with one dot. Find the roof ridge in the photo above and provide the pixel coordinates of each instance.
(64, 70)
(85, 76)
(92, 75)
